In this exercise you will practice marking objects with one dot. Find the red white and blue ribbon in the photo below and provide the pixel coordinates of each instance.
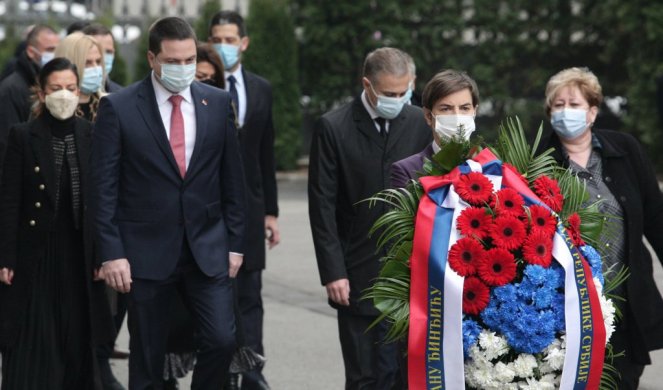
(435, 346)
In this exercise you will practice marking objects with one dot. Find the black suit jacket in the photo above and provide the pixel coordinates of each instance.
(22, 243)
(143, 209)
(256, 138)
(15, 93)
(631, 178)
(349, 162)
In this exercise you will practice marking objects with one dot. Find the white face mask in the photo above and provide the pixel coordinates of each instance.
(448, 126)
(61, 104)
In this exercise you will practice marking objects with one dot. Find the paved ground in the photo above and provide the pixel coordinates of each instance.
(300, 329)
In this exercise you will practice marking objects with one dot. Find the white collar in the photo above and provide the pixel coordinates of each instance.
(239, 76)
(371, 111)
(162, 94)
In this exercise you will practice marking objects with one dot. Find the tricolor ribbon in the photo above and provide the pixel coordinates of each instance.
(435, 342)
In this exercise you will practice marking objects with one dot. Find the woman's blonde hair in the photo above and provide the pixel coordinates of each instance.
(582, 78)
(75, 48)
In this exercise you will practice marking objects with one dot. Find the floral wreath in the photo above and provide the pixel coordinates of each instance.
(495, 247)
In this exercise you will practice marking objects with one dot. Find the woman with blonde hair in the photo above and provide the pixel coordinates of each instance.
(616, 172)
(87, 54)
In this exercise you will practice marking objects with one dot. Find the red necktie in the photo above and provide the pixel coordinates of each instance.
(177, 133)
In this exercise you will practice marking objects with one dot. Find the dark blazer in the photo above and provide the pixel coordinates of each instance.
(408, 168)
(349, 163)
(143, 209)
(15, 92)
(631, 178)
(112, 86)
(256, 138)
(26, 215)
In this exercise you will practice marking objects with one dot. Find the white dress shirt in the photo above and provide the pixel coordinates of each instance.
(240, 86)
(188, 113)
(374, 115)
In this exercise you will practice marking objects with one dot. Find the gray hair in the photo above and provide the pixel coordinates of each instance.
(388, 60)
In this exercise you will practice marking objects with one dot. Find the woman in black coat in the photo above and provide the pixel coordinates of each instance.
(616, 170)
(52, 312)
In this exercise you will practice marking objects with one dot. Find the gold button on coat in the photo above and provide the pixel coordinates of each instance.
(38, 205)
(42, 187)
(32, 222)
(37, 169)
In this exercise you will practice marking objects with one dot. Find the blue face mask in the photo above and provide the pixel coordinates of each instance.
(569, 123)
(176, 78)
(229, 54)
(108, 62)
(46, 57)
(390, 107)
(92, 78)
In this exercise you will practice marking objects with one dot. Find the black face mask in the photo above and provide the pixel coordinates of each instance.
(209, 82)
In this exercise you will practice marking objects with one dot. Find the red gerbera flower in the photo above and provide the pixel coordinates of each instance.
(476, 296)
(474, 222)
(498, 267)
(507, 201)
(548, 190)
(474, 188)
(538, 249)
(573, 228)
(542, 220)
(465, 255)
(508, 232)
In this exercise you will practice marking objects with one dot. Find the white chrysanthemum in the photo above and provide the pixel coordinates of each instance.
(608, 310)
(524, 365)
(533, 384)
(504, 372)
(554, 356)
(494, 345)
(551, 379)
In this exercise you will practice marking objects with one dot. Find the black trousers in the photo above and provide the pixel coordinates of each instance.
(370, 364)
(249, 287)
(210, 302)
(628, 367)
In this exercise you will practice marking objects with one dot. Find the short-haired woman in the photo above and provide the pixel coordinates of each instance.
(617, 172)
(450, 101)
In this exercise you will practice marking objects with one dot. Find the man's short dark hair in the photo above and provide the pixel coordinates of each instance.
(31, 39)
(97, 29)
(228, 17)
(78, 25)
(170, 28)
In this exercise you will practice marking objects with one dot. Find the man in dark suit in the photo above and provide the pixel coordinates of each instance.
(168, 201)
(252, 96)
(352, 150)
(105, 38)
(16, 90)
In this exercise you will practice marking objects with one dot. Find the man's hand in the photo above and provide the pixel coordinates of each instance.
(6, 276)
(234, 262)
(272, 233)
(339, 291)
(117, 274)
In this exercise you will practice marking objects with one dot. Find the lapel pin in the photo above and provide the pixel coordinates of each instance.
(204, 102)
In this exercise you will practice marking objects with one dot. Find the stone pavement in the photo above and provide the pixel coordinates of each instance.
(301, 341)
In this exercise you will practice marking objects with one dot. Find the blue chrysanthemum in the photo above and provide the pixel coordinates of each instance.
(471, 331)
(595, 262)
(530, 313)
